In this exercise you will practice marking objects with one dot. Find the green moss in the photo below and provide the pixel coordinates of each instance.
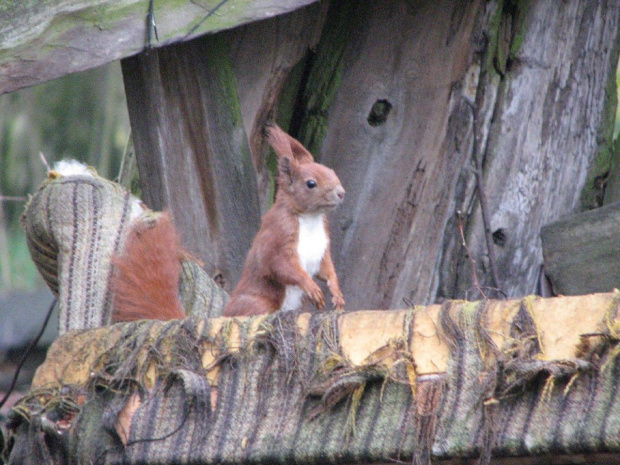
(218, 60)
(228, 117)
(508, 18)
(104, 16)
(604, 168)
(521, 10)
(499, 55)
(326, 71)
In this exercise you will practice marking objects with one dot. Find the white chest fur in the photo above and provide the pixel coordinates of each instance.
(311, 246)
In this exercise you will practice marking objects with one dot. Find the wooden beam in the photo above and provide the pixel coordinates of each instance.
(582, 252)
(192, 151)
(46, 39)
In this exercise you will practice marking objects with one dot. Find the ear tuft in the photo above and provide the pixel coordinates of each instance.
(301, 154)
(285, 145)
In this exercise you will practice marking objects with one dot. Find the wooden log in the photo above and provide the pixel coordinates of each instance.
(364, 335)
(43, 40)
(192, 150)
(535, 168)
(582, 252)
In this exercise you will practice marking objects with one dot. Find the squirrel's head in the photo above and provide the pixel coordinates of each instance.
(309, 187)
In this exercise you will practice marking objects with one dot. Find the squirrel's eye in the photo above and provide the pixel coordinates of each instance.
(311, 184)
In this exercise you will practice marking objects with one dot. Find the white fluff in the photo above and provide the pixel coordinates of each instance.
(311, 246)
(72, 168)
(137, 208)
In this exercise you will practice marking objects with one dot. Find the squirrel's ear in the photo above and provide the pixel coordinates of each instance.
(288, 169)
(287, 146)
(301, 154)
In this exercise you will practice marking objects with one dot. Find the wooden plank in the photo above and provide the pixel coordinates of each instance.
(192, 150)
(46, 39)
(582, 252)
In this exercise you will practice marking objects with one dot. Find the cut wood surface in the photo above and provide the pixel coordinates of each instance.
(365, 334)
(45, 39)
(582, 252)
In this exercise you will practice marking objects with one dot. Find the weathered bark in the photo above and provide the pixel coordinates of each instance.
(192, 150)
(394, 117)
(45, 39)
(390, 135)
(551, 123)
(263, 54)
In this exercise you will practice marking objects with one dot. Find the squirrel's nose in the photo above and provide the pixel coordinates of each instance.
(340, 192)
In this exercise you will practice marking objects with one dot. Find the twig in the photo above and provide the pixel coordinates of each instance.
(9, 198)
(472, 262)
(151, 25)
(209, 14)
(5, 255)
(32, 345)
(44, 160)
(484, 208)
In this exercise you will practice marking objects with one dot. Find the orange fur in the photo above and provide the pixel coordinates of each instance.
(273, 262)
(146, 275)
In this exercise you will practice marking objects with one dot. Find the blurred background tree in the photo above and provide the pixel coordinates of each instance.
(81, 116)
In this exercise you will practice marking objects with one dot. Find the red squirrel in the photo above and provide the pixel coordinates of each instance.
(292, 245)
(145, 278)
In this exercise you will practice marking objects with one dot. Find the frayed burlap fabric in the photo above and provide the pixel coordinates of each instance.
(74, 224)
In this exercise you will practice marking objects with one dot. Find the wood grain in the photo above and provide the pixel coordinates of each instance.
(46, 39)
(192, 150)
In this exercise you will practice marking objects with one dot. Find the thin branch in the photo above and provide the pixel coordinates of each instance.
(44, 160)
(27, 353)
(9, 198)
(472, 262)
(201, 22)
(151, 25)
(484, 208)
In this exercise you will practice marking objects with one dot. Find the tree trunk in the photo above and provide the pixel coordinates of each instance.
(192, 150)
(422, 108)
(399, 132)
(189, 105)
(396, 134)
(548, 137)
(263, 55)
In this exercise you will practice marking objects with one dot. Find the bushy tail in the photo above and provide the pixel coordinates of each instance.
(145, 278)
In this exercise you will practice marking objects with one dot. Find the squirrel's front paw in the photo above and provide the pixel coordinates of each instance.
(338, 301)
(315, 294)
